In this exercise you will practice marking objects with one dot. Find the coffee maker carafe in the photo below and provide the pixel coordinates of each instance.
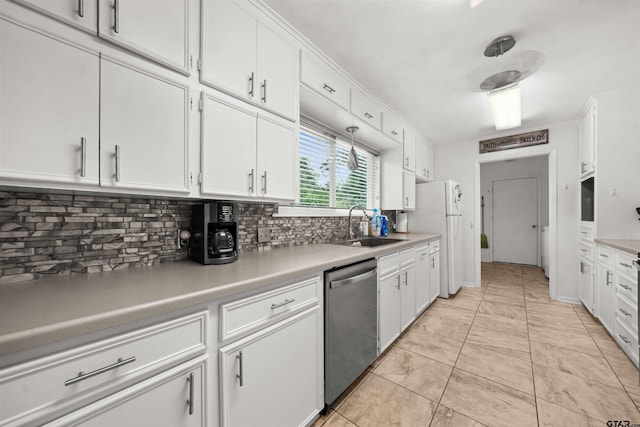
(214, 234)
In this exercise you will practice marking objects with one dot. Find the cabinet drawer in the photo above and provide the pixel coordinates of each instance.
(53, 383)
(606, 256)
(586, 251)
(624, 264)
(392, 127)
(407, 257)
(422, 253)
(388, 264)
(586, 232)
(627, 313)
(249, 314)
(434, 246)
(627, 340)
(627, 287)
(365, 109)
(323, 80)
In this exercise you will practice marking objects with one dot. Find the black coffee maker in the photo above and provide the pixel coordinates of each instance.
(214, 233)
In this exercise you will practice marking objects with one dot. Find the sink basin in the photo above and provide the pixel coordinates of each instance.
(368, 242)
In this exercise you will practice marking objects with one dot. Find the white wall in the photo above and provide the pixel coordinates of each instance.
(618, 165)
(509, 169)
(459, 162)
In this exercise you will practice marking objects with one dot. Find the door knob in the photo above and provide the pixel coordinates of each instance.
(533, 226)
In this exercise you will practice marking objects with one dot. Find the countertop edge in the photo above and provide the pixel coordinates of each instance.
(626, 245)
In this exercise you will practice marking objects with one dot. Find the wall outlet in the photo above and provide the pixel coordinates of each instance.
(264, 235)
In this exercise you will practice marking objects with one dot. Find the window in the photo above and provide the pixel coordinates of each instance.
(325, 179)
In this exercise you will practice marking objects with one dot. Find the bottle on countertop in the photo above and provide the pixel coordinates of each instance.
(376, 223)
(384, 230)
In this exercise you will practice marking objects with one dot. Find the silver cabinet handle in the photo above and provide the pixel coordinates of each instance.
(398, 280)
(251, 85)
(624, 264)
(581, 267)
(625, 339)
(117, 155)
(251, 181)
(609, 283)
(584, 250)
(625, 312)
(433, 263)
(116, 16)
(624, 286)
(190, 380)
(83, 157)
(406, 161)
(282, 304)
(367, 115)
(264, 183)
(240, 374)
(81, 8)
(82, 376)
(394, 133)
(406, 201)
(264, 91)
(604, 255)
(354, 279)
(406, 278)
(328, 88)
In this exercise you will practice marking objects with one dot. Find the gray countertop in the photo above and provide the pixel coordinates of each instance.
(627, 245)
(42, 312)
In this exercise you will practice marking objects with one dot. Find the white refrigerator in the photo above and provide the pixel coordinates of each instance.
(439, 210)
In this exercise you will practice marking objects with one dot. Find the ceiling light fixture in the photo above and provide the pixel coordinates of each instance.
(505, 104)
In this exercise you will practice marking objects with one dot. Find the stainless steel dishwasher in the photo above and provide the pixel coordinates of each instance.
(350, 325)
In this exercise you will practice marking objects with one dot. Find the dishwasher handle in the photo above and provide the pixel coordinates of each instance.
(367, 274)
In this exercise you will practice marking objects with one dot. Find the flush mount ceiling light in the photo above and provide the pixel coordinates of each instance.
(505, 105)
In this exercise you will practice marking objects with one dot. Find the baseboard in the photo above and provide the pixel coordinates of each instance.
(470, 285)
(569, 300)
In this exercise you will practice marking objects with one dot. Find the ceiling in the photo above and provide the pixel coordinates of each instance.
(423, 58)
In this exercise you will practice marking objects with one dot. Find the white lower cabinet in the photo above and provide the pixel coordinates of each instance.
(172, 398)
(388, 309)
(407, 288)
(585, 283)
(423, 295)
(270, 378)
(434, 270)
(605, 288)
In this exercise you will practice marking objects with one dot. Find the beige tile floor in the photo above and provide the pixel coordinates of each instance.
(501, 355)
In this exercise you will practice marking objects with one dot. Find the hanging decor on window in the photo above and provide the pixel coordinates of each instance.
(528, 139)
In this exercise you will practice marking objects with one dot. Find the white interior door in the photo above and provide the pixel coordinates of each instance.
(515, 221)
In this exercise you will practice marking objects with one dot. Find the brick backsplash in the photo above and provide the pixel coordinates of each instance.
(42, 235)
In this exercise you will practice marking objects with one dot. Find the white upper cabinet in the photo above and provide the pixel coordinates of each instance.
(143, 130)
(409, 191)
(82, 14)
(244, 58)
(49, 100)
(424, 161)
(321, 79)
(158, 30)
(365, 109)
(392, 127)
(245, 155)
(409, 151)
(588, 140)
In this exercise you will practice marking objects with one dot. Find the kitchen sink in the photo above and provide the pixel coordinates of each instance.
(368, 242)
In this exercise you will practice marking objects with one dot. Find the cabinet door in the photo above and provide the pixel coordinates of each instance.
(389, 310)
(365, 109)
(229, 49)
(172, 398)
(409, 190)
(228, 149)
(276, 71)
(158, 30)
(271, 378)
(587, 141)
(143, 130)
(422, 279)
(276, 162)
(434, 276)
(409, 152)
(407, 297)
(392, 127)
(49, 100)
(82, 14)
(586, 285)
(605, 297)
(424, 161)
(315, 74)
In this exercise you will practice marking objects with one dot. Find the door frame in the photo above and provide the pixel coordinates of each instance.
(538, 215)
(553, 209)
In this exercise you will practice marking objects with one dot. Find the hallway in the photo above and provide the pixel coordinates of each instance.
(501, 355)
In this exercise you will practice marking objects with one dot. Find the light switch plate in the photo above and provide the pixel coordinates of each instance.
(264, 235)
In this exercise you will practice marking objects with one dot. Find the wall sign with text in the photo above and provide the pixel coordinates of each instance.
(515, 141)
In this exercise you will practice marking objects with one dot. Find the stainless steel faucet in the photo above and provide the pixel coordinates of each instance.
(364, 211)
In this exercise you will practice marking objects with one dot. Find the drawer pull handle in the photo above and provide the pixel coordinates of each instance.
(240, 374)
(283, 303)
(624, 264)
(394, 133)
(625, 286)
(609, 274)
(116, 17)
(81, 8)
(367, 115)
(626, 313)
(604, 255)
(82, 376)
(190, 380)
(328, 88)
(625, 339)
